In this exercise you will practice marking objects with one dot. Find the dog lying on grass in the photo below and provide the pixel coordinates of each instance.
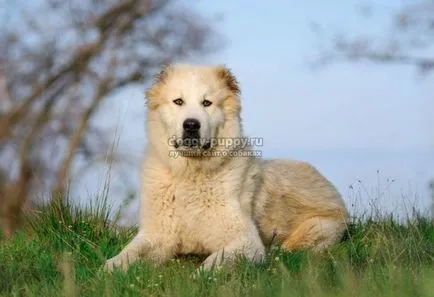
(205, 191)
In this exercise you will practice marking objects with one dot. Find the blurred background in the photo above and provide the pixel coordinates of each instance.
(345, 85)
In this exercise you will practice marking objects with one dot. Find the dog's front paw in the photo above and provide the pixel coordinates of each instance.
(214, 261)
(116, 262)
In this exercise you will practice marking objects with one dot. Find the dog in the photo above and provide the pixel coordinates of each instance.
(205, 191)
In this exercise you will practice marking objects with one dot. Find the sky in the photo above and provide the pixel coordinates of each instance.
(368, 128)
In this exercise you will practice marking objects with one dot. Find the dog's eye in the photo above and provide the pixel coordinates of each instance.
(206, 103)
(178, 101)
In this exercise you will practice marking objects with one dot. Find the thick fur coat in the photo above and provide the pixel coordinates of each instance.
(205, 193)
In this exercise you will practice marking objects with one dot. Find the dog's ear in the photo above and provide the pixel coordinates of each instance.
(152, 93)
(231, 82)
(161, 76)
(232, 104)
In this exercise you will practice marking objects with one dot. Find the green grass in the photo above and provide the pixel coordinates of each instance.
(61, 251)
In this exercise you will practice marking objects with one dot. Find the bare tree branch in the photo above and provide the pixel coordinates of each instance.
(56, 78)
(410, 41)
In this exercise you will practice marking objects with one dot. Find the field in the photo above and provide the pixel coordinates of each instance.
(61, 250)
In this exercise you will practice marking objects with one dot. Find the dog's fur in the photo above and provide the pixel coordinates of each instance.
(221, 206)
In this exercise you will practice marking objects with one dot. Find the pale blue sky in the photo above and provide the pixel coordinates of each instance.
(349, 120)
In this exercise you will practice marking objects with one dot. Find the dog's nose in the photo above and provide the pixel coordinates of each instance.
(191, 125)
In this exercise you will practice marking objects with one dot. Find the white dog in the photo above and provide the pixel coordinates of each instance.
(205, 192)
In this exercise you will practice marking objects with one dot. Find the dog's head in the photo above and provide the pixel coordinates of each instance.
(195, 105)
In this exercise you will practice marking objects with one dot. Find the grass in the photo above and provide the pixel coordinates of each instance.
(61, 251)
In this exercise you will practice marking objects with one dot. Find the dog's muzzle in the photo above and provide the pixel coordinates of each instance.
(191, 135)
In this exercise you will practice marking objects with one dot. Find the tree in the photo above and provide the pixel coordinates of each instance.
(59, 64)
(410, 41)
